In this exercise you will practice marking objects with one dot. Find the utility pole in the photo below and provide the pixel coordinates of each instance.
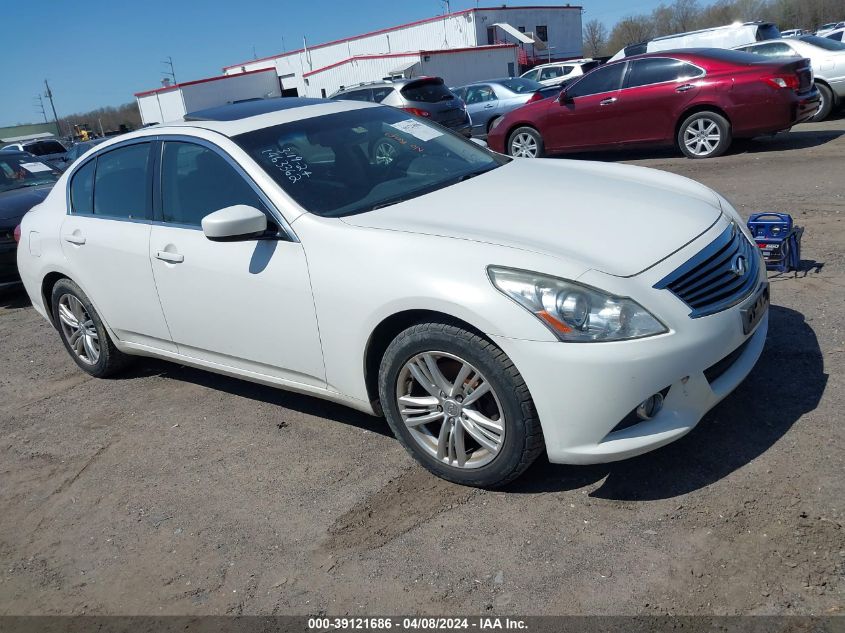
(49, 95)
(172, 73)
(39, 105)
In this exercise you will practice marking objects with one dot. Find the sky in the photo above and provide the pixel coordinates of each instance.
(99, 53)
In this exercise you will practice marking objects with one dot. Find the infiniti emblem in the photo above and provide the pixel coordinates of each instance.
(738, 266)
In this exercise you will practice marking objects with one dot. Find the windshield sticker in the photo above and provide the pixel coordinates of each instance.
(35, 167)
(416, 129)
(402, 141)
(289, 163)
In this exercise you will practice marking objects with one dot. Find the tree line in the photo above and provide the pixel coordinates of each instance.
(689, 15)
(111, 118)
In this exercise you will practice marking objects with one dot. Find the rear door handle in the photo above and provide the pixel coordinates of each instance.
(684, 88)
(79, 240)
(173, 258)
(607, 101)
(489, 106)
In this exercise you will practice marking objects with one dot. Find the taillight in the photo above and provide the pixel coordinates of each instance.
(783, 81)
(17, 233)
(417, 112)
(535, 97)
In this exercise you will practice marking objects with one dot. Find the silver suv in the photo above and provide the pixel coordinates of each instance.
(427, 97)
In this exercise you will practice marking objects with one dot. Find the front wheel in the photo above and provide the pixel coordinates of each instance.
(704, 135)
(525, 142)
(458, 404)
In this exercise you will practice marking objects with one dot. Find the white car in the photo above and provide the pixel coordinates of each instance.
(837, 35)
(827, 58)
(556, 73)
(826, 29)
(492, 308)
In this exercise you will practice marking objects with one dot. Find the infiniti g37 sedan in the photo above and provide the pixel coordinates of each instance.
(696, 99)
(262, 240)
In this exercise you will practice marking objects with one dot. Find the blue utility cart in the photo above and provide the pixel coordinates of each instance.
(779, 240)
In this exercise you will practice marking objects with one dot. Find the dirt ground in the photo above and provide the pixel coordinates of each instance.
(174, 491)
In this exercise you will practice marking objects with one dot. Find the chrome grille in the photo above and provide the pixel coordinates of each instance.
(718, 277)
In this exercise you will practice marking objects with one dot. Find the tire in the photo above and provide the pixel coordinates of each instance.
(704, 135)
(525, 142)
(454, 424)
(93, 351)
(826, 105)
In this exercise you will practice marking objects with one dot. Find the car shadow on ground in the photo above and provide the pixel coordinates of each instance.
(308, 405)
(787, 382)
(803, 139)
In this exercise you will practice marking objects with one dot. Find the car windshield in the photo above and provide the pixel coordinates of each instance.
(19, 170)
(364, 159)
(823, 42)
(520, 85)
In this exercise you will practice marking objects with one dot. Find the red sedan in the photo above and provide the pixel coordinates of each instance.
(696, 99)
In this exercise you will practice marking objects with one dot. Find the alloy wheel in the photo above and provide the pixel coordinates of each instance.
(702, 136)
(78, 329)
(523, 145)
(450, 409)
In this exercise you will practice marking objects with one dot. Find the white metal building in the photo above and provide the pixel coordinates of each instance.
(171, 103)
(464, 46)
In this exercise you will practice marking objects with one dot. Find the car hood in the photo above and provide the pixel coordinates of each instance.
(618, 219)
(14, 203)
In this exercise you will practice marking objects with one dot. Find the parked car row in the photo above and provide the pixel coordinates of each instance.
(698, 100)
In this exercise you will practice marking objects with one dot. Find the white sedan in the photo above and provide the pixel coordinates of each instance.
(490, 308)
(827, 57)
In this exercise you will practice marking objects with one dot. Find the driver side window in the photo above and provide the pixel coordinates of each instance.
(196, 181)
(604, 79)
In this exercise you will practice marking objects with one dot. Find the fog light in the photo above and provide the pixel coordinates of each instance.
(650, 407)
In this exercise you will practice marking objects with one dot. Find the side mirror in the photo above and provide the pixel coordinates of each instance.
(563, 98)
(236, 223)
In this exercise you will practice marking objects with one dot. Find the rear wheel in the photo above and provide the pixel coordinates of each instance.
(826, 104)
(525, 142)
(458, 405)
(704, 135)
(83, 333)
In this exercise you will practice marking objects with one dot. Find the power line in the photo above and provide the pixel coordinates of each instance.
(39, 107)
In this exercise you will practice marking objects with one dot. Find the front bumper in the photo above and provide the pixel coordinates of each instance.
(583, 391)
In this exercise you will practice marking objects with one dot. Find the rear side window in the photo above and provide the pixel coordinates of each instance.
(767, 32)
(196, 181)
(775, 49)
(356, 95)
(427, 92)
(645, 72)
(380, 94)
(82, 188)
(606, 79)
(554, 71)
(122, 184)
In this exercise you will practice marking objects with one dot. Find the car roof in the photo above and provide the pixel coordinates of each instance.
(246, 109)
(240, 120)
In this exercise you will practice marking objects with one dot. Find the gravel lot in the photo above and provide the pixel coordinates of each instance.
(174, 491)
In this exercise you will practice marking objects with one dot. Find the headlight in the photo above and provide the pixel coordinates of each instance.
(574, 312)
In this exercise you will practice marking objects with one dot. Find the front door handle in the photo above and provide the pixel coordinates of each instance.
(173, 258)
(73, 238)
(607, 101)
(684, 88)
(489, 106)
